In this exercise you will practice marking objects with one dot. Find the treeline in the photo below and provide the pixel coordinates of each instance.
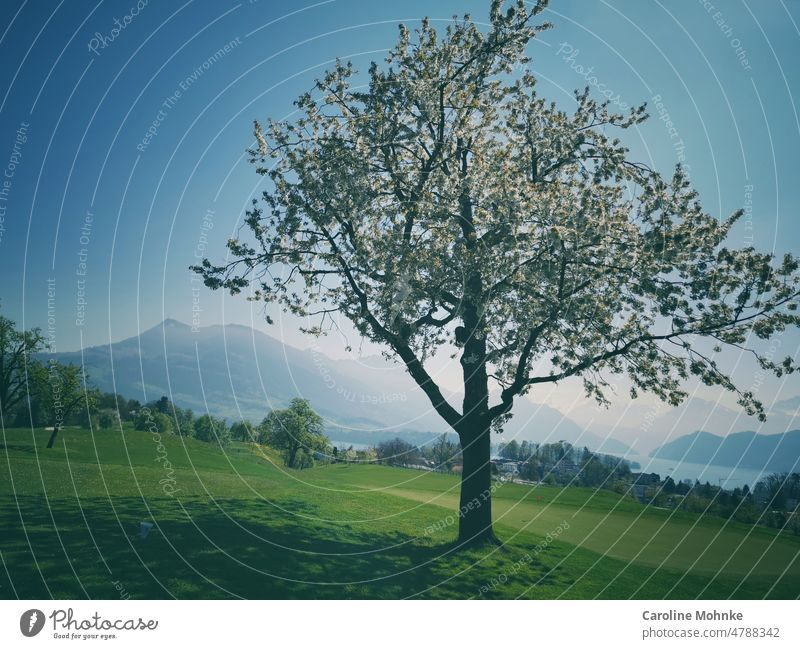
(105, 410)
(296, 431)
(772, 502)
(165, 417)
(779, 496)
(561, 463)
(439, 455)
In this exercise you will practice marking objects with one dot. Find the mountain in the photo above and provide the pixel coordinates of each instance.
(647, 423)
(234, 371)
(700, 414)
(537, 422)
(789, 406)
(747, 449)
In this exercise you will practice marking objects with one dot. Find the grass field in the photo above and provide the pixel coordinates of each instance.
(238, 524)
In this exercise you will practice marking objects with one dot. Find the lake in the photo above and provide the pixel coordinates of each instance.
(726, 476)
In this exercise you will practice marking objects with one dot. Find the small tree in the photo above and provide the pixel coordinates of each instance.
(443, 452)
(243, 431)
(397, 451)
(510, 451)
(108, 418)
(211, 429)
(297, 431)
(117, 403)
(63, 391)
(16, 348)
(349, 455)
(184, 420)
(162, 405)
(446, 203)
(152, 421)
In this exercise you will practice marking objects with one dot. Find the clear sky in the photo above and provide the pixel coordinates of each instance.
(123, 132)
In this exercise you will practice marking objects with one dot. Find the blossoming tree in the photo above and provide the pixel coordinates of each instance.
(445, 205)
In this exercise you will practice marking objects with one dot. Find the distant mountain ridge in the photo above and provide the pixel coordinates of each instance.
(235, 371)
(777, 452)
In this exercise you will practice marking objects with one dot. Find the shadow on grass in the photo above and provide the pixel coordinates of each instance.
(231, 548)
(18, 449)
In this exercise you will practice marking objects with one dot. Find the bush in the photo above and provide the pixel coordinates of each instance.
(107, 418)
(211, 429)
(152, 421)
(243, 431)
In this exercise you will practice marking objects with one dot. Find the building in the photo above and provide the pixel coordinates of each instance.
(511, 468)
(505, 467)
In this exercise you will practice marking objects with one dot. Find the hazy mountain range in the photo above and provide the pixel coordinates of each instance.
(645, 425)
(237, 372)
(747, 450)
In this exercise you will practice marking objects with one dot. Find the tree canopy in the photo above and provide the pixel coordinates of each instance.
(297, 431)
(62, 391)
(16, 350)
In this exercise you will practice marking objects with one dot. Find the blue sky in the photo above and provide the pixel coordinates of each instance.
(143, 130)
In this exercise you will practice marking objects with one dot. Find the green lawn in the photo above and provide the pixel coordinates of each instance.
(238, 524)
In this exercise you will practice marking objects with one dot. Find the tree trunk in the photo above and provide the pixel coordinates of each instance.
(52, 439)
(292, 455)
(475, 507)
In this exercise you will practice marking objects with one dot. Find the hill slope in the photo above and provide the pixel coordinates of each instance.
(238, 524)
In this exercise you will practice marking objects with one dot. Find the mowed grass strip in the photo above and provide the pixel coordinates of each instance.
(238, 524)
(607, 523)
